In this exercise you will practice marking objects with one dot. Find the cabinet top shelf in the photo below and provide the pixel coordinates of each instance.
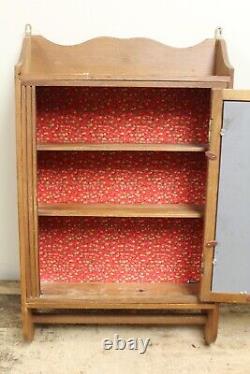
(135, 62)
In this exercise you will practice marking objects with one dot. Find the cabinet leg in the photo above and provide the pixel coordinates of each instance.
(211, 326)
(28, 325)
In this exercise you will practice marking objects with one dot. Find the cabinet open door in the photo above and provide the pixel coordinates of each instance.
(226, 254)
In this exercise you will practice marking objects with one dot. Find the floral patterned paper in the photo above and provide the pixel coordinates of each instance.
(121, 177)
(94, 249)
(122, 115)
(79, 249)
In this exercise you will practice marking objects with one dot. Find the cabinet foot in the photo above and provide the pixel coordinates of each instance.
(211, 326)
(28, 325)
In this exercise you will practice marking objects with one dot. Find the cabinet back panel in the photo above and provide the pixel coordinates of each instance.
(77, 249)
(121, 177)
(122, 115)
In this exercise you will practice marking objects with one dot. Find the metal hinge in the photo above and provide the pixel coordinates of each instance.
(210, 130)
(211, 243)
(210, 155)
(202, 269)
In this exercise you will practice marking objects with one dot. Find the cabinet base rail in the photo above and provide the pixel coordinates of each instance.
(208, 318)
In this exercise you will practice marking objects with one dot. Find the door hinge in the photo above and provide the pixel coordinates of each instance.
(192, 281)
(211, 243)
(202, 267)
(210, 155)
(210, 130)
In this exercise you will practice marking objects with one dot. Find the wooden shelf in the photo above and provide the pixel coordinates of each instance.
(113, 210)
(121, 293)
(93, 80)
(123, 147)
(135, 62)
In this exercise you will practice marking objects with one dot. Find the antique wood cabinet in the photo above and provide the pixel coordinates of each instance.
(122, 199)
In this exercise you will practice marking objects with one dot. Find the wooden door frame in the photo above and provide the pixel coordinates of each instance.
(206, 293)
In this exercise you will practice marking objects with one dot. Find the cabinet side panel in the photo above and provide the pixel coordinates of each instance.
(231, 269)
(31, 185)
(21, 144)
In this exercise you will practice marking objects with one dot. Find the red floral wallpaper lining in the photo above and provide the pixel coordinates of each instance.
(122, 115)
(77, 249)
(121, 177)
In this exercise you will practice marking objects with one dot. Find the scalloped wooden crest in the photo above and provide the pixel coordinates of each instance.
(114, 59)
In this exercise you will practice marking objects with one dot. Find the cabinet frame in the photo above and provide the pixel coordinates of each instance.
(30, 72)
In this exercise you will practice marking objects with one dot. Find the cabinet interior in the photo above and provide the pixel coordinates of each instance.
(122, 115)
(112, 249)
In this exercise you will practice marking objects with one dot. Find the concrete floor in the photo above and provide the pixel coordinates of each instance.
(78, 350)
